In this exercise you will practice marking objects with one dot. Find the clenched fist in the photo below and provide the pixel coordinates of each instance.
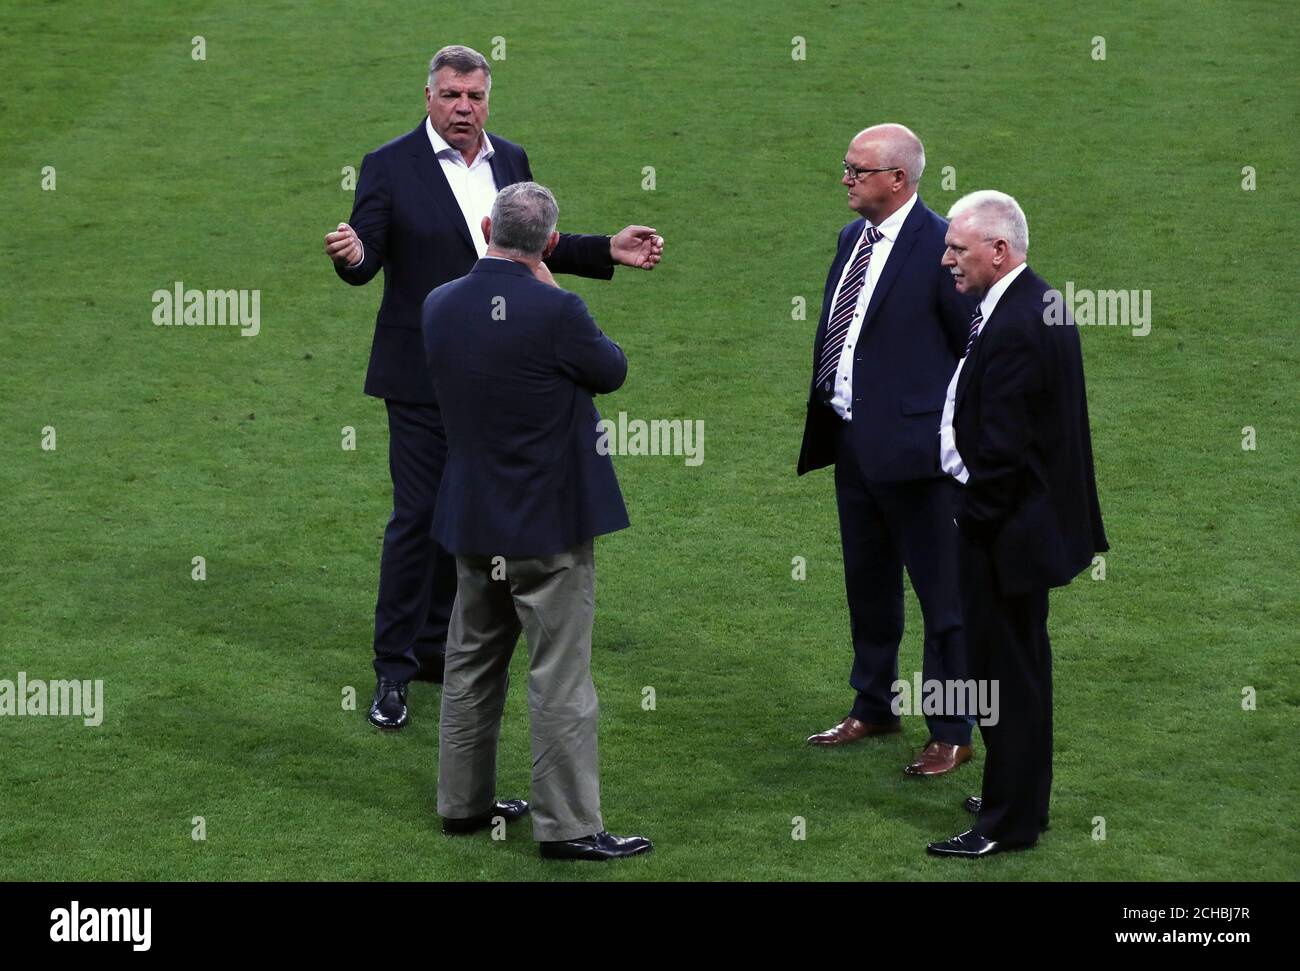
(343, 246)
(637, 246)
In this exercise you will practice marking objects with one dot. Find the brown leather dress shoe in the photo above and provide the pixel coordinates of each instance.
(940, 757)
(852, 730)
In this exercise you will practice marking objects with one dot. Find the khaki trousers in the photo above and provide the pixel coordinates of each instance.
(551, 599)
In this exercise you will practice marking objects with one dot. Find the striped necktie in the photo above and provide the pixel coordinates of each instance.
(974, 332)
(837, 328)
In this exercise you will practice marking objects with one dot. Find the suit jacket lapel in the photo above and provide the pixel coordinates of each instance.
(902, 247)
(502, 172)
(429, 171)
(968, 369)
(1005, 301)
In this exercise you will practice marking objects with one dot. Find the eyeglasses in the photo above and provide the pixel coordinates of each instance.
(858, 173)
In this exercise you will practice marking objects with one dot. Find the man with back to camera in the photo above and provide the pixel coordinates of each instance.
(892, 324)
(417, 214)
(1015, 433)
(515, 362)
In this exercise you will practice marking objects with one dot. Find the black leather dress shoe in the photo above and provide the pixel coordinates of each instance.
(507, 809)
(602, 846)
(971, 845)
(388, 709)
(974, 804)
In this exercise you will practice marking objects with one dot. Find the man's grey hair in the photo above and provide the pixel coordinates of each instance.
(523, 218)
(462, 60)
(995, 215)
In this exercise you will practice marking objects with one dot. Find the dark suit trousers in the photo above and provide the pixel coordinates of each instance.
(417, 577)
(884, 527)
(1007, 641)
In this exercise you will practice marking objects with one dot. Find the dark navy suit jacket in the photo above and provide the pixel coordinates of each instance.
(1021, 427)
(523, 475)
(411, 227)
(914, 331)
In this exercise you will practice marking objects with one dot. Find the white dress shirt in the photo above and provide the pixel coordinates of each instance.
(842, 399)
(949, 457)
(472, 185)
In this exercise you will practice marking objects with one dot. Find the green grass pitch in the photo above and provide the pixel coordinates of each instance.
(224, 696)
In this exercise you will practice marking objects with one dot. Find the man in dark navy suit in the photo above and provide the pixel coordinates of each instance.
(417, 215)
(1015, 432)
(515, 362)
(891, 327)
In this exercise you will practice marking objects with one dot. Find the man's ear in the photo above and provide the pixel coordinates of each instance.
(486, 226)
(551, 244)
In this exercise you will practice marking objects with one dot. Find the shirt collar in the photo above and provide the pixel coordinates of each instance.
(440, 146)
(991, 298)
(891, 225)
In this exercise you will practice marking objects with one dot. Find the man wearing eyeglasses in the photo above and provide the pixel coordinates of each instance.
(892, 328)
